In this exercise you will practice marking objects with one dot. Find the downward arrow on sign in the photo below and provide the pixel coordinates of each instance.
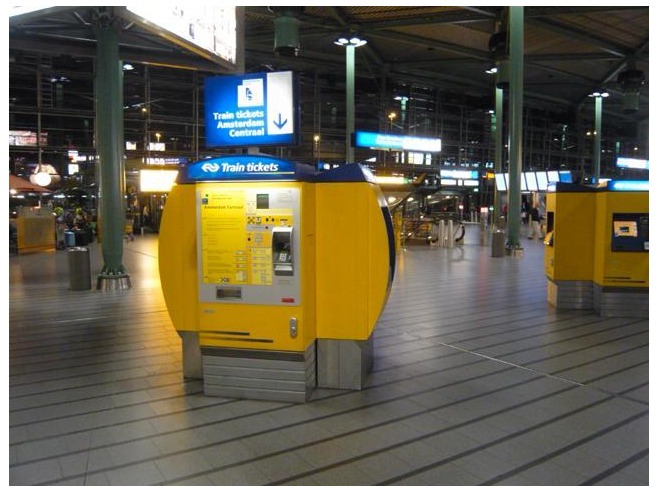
(280, 124)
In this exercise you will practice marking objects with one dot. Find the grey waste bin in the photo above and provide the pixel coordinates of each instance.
(498, 243)
(79, 268)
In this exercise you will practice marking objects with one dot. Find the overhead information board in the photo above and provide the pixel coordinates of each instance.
(250, 110)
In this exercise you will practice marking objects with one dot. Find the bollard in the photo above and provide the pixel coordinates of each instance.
(442, 233)
(450, 239)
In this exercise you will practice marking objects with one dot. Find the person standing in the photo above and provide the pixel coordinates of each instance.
(534, 228)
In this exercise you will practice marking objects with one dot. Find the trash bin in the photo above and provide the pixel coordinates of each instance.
(79, 268)
(81, 237)
(498, 243)
(69, 239)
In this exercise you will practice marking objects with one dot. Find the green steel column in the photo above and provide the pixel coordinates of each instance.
(109, 142)
(516, 123)
(349, 88)
(596, 157)
(498, 151)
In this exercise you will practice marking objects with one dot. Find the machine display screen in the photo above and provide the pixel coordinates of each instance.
(630, 232)
(625, 228)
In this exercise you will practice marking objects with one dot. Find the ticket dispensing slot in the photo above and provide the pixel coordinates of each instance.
(282, 251)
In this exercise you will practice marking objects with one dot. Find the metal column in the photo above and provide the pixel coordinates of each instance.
(498, 151)
(109, 141)
(349, 88)
(516, 127)
(596, 157)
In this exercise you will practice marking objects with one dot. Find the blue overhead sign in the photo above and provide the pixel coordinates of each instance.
(245, 167)
(250, 110)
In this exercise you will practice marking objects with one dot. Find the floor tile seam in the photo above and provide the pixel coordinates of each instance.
(14, 380)
(456, 311)
(595, 361)
(563, 340)
(568, 352)
(565, 449)
(43, 348)
(91, 398)
(15, 308)
(500, 440)
(470, 323)
(525, 328)
(301, 422)
(94, 384)
(126, 323)
(624, 394)
(373, 387)
(621, 395)
(429, 358)
(617, 468)
(612, 356)
(132, 421)
(101, 349)
(42, 318)
(554, 375)
(457, 427)
(82, 342)
(368, 387)
(164, 348)
(63, 366)
(383, 423)
(459, 289)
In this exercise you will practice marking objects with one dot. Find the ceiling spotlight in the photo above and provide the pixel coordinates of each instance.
(351, 40)
(599, 93)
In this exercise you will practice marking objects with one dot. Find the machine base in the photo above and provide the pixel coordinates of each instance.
(619, 302)
(259, 374)
(570, 294)
(344, 364)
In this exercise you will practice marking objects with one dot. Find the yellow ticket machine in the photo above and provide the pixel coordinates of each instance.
(569, 256)
(621, 250)
(597, 248)
(242, 253)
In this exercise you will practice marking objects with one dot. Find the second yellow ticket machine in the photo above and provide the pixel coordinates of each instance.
(275, 275)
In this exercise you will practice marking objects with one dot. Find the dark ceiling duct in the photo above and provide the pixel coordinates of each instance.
(499, 52)
(630, 81)
(286, 30)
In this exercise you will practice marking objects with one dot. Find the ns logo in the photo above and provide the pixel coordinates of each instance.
(210, 167)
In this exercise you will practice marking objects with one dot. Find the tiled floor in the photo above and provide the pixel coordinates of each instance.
(476, 382)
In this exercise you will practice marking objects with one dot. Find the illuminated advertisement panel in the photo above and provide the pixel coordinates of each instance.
(396, 142)
(251, 109)
(631, 163)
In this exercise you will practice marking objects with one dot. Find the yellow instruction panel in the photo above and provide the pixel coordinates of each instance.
(247, 244)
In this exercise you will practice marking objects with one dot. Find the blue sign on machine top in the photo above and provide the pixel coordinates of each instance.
(251, 109)
(245, 167)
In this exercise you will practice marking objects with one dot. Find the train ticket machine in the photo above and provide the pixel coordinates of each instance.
(243, 273)
(597, 248)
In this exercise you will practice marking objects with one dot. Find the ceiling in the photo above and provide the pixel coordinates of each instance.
(568, 51)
